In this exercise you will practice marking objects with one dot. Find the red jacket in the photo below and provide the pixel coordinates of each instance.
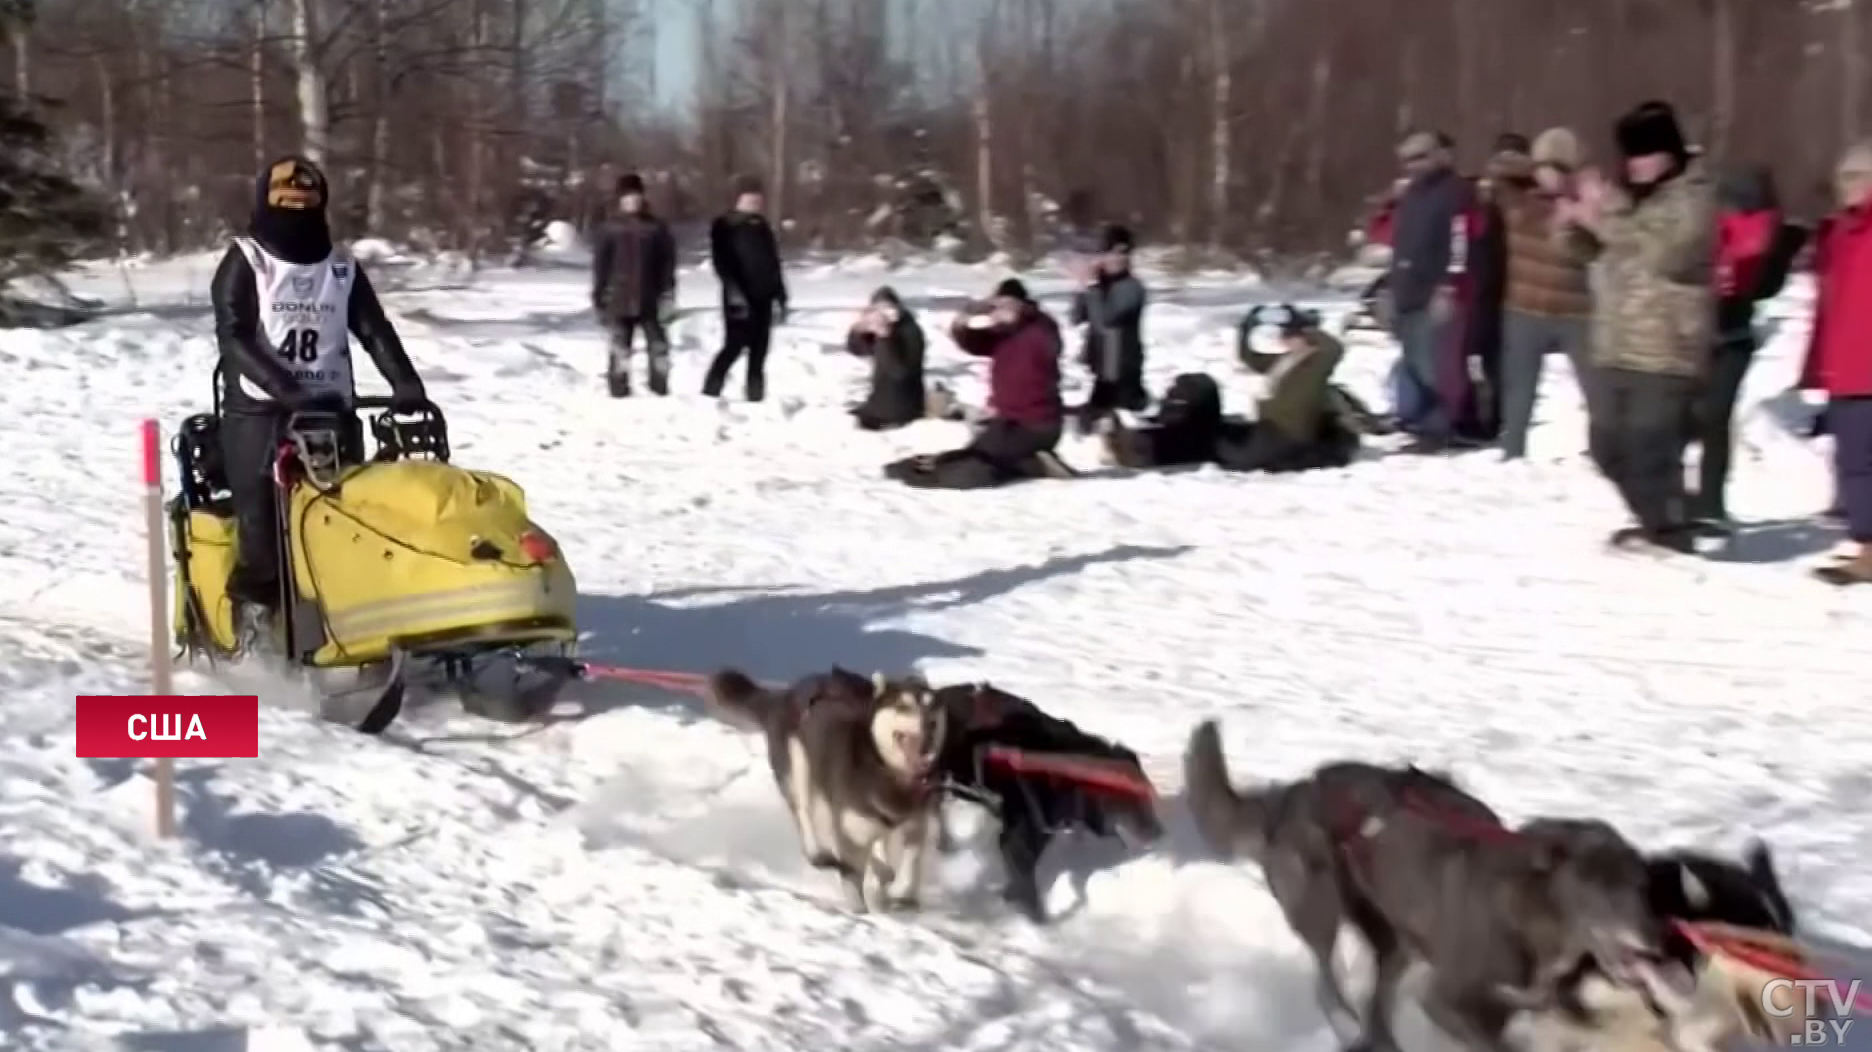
(1023, 367)
(1839, 353)
(1742, 243)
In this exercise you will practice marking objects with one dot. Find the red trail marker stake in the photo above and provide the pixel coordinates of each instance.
(162, 671)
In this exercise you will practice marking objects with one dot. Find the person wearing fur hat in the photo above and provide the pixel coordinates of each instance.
(287, 302)
(746, 258)
(634, 286)
(1652, 236)
(1547, 302)
(1110, 304)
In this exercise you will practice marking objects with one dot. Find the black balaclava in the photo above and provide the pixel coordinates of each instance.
(289, 211)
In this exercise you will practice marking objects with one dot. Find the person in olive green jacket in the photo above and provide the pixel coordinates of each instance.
(1652, 238)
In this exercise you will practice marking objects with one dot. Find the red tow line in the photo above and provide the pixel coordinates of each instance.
(1762, 951)
(679, 682)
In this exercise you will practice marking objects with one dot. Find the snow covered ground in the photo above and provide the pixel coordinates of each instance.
(622, 878)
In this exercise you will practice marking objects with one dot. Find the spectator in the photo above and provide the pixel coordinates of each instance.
(1839, 357)
(888, 334)
(634, 286)
(1547, 302)
(1486, 290)
(1755, 249)
(1430, 248)
(1653, 238)
(1110, 304)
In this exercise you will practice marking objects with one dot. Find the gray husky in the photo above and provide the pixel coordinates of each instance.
(853, 760)
(1426, 872)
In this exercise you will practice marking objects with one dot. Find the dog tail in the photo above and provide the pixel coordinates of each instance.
(742, 701)
(1229, 822)
(1761, 868)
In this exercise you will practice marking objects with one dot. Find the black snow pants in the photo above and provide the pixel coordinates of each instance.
(249, 443)
(743, 332)
(1638, 426)
(656, 341)
(1001, 452)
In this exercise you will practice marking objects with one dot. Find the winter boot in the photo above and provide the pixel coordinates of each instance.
(659, 376)
(1852, 569)
(617, 376)
(255, 634)
(756, 388)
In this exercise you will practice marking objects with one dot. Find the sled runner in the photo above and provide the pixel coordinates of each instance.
(399, 565)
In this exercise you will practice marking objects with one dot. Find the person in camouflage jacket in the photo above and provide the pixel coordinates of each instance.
(1652, 239)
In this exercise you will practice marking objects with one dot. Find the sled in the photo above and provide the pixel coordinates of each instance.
(394, 569)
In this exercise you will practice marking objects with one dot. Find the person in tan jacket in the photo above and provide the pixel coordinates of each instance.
(1547, 305)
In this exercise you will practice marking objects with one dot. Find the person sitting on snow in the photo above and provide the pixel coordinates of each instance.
(889, 335)
(1022, 344)
(286, 303)
(1299, 424)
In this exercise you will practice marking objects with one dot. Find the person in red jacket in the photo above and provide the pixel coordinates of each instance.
(1839, 356)
(1022, 344)
(1755, 249)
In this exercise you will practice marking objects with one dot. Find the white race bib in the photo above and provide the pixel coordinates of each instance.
(304, 318)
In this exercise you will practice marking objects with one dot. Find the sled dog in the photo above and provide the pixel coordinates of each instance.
(854, 762)
(1725, 1002)
(1427, 873)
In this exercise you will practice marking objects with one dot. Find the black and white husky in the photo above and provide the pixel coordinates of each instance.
(853, 760)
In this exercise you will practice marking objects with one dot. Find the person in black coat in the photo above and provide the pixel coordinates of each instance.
(1110, 304)
(888, 334)
(746, 257)
(634, 286)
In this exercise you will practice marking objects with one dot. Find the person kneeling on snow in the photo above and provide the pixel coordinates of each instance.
(889, 335)
(1022, 345)
(286, 303)
(1298, 426)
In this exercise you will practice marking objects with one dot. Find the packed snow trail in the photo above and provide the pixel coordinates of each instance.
(624, 876)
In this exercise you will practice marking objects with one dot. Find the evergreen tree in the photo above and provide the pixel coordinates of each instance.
(47, 220)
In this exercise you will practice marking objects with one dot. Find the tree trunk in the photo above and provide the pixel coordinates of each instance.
(22, 61)
(1722, 76)
(314, 101)
(1852, 72)
(1221, 146)
(984, 164)
(107, 120)
(256, 81)
(377, 189)
(782, 92)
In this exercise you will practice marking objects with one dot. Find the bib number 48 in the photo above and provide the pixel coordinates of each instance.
(301, 346)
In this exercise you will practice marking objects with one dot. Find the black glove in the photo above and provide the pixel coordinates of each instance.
(408, 397)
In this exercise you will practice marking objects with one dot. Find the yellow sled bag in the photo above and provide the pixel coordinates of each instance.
(418, 554)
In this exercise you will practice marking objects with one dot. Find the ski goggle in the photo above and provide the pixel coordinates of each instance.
(295, 185)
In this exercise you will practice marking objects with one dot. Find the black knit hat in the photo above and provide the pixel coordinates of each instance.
(1013, 289)
(1116, 238)
(630, 183)
(1651, 128)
